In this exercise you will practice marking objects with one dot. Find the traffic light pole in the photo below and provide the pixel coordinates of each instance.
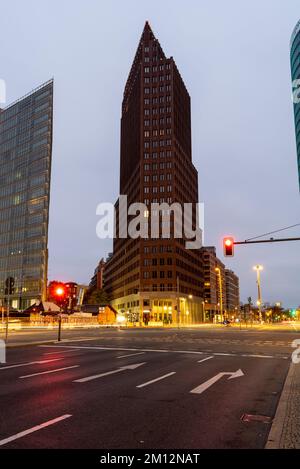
(59, 327)
(271, 240)
(7, 318)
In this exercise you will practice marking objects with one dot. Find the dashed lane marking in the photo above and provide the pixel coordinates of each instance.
(204, 359)
(41, 362)
(34, 429)
(156, 379)
(50, 371)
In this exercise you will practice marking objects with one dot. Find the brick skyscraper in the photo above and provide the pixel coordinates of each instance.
(156, 279)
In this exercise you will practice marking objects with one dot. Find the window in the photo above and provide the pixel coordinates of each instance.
(146, 178)
(146, 156)
(146, 123)
(146, 167)
(146, 80)
(146, 90)
(146, 133)
(147, 101)
(147, 69)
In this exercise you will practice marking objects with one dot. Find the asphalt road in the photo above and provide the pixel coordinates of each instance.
(145, 389)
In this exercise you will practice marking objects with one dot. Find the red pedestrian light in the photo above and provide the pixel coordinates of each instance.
(228, 246)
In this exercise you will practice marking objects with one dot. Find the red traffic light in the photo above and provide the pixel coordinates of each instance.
(60, 291)
(228, 246)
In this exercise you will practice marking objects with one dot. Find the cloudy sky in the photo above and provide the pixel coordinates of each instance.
(234, 59)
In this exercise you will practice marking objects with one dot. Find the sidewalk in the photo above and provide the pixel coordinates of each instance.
(285, 430)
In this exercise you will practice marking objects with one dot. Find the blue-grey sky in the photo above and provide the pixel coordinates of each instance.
(234, 59)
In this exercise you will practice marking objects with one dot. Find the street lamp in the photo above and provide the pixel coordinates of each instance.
(217, 269)
(258, 269)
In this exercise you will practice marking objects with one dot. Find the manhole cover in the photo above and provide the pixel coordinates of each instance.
(255, 418)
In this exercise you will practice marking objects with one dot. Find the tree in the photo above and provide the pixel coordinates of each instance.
(96, 296)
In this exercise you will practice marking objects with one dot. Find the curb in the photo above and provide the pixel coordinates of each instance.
(285, 430)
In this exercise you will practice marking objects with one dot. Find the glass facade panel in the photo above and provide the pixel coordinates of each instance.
(25, 169)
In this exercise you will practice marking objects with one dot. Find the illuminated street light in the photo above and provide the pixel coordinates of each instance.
(258, 269)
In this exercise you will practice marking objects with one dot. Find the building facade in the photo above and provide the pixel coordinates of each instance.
(232, 292)
(156, 279)
(221, 287)
(25, 169)
(295, 69)
(97, 281)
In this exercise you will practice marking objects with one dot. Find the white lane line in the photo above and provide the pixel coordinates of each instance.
(258, 356)
(204, 359)
(131, 355)
(34, 429)
(191, 352)
(63, 351)
(107, 373)
(41, 362)
(50, 371)
(156, 379)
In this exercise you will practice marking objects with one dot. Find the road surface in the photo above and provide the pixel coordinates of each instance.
(145, 389)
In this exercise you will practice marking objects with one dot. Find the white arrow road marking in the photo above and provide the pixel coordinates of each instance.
(204, 359)
(131, 355)
(50, 371)
(123, 368)
(34, 429)
(41, 362)
(156, 379)
(200, 389)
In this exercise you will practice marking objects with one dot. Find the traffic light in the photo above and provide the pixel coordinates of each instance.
(58, 293)
(228, 246)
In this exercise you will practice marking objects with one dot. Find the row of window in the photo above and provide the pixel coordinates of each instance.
(161, 154)
(156, 133)
(154, 190)
(155, 274)
(155, 122)
(157, 143)
(162, 200)
(155, 166)
(162, 261)
(156, 110)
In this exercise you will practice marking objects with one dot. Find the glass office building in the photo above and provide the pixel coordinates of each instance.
(295, 68)
(25, 169)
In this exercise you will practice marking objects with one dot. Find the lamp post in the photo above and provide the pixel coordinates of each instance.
(258, 269)
(218, 271)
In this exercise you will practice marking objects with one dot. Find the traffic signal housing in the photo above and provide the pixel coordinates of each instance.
(228, 246)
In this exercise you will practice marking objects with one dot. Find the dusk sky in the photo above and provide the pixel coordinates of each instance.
(234, 59)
